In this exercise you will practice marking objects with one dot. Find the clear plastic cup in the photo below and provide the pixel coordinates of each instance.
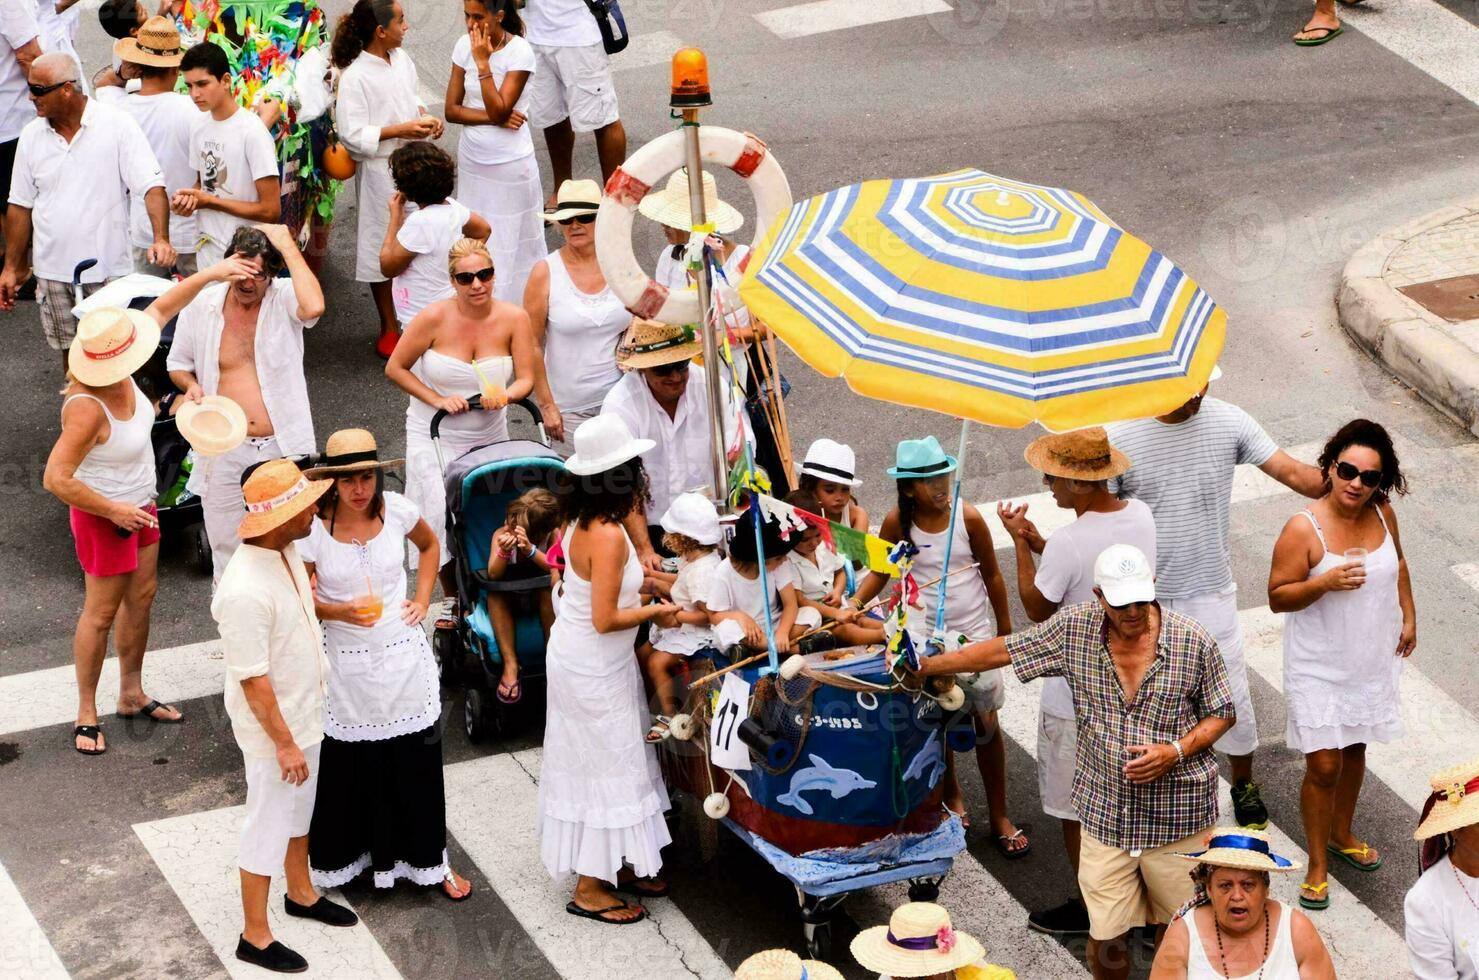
(369, 604)
(1355, 554)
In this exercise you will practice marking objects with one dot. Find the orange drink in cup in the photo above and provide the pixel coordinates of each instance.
(370, 605)
(494, 397)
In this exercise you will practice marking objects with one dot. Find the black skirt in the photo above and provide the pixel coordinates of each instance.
(380, 807)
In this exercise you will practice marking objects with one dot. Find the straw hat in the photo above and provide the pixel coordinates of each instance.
(212, 426)
(831, 462)
(1456, 803)
(276, 492)
(1083, 454)
(111, 343)
(918, 941)
(669, 206)
(650, 343)
(574, 198)
(348, 451)
(1241, 847)
(158, 45)
(602, 443)
(782, 964)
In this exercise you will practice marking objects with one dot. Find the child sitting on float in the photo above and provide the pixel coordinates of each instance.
(520, 549)
(820, 581)
(737, 607)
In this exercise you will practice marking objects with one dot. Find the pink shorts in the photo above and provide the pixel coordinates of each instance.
(102, 550)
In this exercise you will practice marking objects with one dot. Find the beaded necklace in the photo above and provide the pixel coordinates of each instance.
(1262, 963)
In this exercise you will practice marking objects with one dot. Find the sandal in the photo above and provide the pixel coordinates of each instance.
(147, 714)
(1002, 840)
(1321, 893)
(515, 692)
(658, 731)
(1353, 855)
(88, 731)
(449, 883)
(644, 887)
(1331, 33)
(600, 914)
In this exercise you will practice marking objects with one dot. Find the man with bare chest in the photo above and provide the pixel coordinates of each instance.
(241, 336)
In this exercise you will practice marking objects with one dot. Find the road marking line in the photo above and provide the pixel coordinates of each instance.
(646, 50)
(491, 806)
(835, 15)
(40, 698)
(1468, 573)
(1429, 37)
(24, 949)
(197, 852)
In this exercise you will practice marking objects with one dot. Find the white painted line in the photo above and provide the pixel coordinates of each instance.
(1431, 38)
(835, 15)
(1468, 573)
(24, 949)
(197, 855)
(491, 811)
(646, 50)
(49, 697)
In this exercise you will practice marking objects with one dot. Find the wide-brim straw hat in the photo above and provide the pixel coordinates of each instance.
(602, 443)
(1241, 847)
(1083, 454)
(349, 451)
(670, 206)
(573, 199)
(158, 45)
(650, 343)
(276, 492)
(1456, 801)
(111, 344)
(782, 964)
(918, 941)
(212, 426)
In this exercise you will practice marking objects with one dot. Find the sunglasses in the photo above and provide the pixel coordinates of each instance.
(663, 370)
(37, 91)
(466, 278)
(1348, 472)
(584, 219)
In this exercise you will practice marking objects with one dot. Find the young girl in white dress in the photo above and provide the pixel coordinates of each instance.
(691, 531)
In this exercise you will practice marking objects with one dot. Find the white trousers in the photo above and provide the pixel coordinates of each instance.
(276, 811)
(1218, 613)
(221, 501)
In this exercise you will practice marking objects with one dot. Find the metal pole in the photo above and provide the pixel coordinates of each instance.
(707, 332)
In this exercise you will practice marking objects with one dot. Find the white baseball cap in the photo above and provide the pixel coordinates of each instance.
(1123, 575)
(694, 516)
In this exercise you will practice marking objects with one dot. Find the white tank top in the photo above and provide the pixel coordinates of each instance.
(967, 607)
(580, 336)
(121, 467)
(448, 375)
(1280, 964)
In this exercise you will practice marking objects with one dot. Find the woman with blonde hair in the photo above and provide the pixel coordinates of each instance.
(471, 344)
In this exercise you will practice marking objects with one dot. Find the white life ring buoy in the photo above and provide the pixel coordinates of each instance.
(742, 153)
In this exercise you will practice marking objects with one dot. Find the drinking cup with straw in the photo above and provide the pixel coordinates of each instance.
(494, 396)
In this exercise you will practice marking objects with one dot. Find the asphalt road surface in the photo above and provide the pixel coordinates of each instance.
(1256, 165)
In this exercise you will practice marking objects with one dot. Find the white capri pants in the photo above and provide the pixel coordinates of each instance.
(276, 811)
(1218, 613)
(221, 502)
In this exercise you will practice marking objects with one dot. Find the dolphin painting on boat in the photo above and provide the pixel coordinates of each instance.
(821, 776)
(928, 762)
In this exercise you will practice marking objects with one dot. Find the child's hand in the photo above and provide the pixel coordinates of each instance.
(666, 617)
(504, 540)
(521, 539)
(782, 644)
(833, 598)
(847, 614)
(754, 635)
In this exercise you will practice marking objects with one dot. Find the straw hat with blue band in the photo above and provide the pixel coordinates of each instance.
(1240, 847)
(921, 458)
(782, 964)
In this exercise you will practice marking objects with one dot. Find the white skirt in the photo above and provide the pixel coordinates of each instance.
(424, 484)
(373, 187)
(510, 198)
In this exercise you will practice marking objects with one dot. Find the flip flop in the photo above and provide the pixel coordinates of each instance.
(1012, 855)
(147, 714)
(515, 692)
(1315, 904)
(645, 888)
(600, 914)
(1349, 855)
(88, 731)
(1314, 42)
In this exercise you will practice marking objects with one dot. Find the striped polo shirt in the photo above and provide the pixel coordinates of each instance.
(1184, 472)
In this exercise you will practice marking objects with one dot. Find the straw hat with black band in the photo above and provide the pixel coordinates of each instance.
(651, 343)
(275, 493)
(349, 451)
(111, 344)
(1083, 454)
(158, 45)
(573, 199)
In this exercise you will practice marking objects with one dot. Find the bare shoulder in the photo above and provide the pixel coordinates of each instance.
(1301, 929)
(83, 413)
(512, 314)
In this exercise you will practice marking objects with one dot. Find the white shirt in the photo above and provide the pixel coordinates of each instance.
(167, 120)
(78, 192)
(229, 156)
(1443, 925)
(1065, 574)
(560, 23)
(279, 357)
(494, 144)
(18, 27)
(268, 628)
(682, 459)
(814, 579)
(375, 93)
(430, 233)
(729, 591)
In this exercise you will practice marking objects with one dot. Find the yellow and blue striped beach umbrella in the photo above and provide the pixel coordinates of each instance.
(985, 298)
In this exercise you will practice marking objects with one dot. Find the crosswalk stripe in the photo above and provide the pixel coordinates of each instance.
(1468, 573)
(24, 949)
(647, 49)
(39, 698)
(835, 15)
(1431, 38)
(197, 854)
(491, 812)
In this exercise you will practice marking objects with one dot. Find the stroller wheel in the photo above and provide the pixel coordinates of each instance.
(474, 714)
(819, 941)
(445, 650)
(204, 561)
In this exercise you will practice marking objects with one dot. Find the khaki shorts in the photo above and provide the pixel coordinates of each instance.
(572, 83)
(1123, 889)
(56, 300)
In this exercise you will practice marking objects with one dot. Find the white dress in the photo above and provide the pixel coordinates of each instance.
(1341, 668)
(1443, 924)
(459, 434)
(1280, 964)
(690, 588)
(601, 794)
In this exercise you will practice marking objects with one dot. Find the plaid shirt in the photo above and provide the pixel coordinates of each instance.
(1185, 683)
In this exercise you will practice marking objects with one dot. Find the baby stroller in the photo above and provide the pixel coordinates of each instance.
(180, 512)
(480, 485)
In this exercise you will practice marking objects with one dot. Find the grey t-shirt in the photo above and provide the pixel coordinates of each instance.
(1184, 472)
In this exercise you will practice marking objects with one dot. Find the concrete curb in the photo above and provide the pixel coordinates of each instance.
(1414, 343)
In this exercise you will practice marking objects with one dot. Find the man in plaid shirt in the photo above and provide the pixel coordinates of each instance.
(1150, 695)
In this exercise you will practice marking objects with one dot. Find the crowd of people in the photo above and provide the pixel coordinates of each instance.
(332, 689)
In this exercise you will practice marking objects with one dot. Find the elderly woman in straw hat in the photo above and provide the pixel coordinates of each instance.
(1231, 928)
(380, 805)
(920, 941)
(782, 964)
(1442, 909)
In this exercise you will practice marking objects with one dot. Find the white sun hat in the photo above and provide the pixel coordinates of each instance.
(604, 442)
(831, 462)
(694, 516)
(212, 426)
(669, 206)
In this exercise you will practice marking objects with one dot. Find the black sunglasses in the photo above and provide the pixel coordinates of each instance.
(37, 91)
(466, 278)
(663, 370)
(1348, 472)
(584, 219)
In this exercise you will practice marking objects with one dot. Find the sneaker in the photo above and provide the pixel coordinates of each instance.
(276, 957)
(1068, 919)
(1248, 808)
